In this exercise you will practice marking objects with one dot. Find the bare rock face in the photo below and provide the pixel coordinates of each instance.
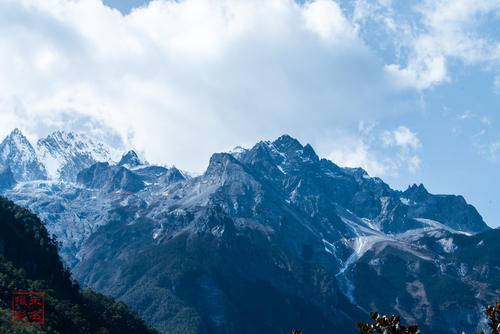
(110, 178)
(6, 178)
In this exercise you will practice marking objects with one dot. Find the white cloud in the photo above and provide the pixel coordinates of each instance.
(438, 33)
(420, 72)
(355, 152)
(327, 19)
(182, 79)
(380, 153)
(402, 137)
(414, 163)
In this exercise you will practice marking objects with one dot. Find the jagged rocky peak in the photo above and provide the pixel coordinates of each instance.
(17, 133)
(416, 193)
(17, 152)
(219, 164)
(292, 148)
(130, 160)
(451, 210)
(171, 176)
(64, 140)
(285, 154)
(66, 153)
(59, 138)
(287, 143)
(15, 140)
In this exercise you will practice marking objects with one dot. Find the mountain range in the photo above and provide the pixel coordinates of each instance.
(266, 239)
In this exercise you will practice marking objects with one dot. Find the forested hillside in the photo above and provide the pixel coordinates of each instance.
(29, 261)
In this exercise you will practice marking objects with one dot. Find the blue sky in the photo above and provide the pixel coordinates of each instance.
(125, 6)
(409, 90)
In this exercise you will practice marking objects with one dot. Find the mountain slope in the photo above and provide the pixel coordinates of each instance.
(29, 262)
(318, 215)
(6, 178)
(439, 284)
(235, 283)
(269, 230)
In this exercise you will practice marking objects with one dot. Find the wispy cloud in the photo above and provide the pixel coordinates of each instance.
(401, 137)
(358, 152)
(468, 115)
(380, 152)
(437, 33)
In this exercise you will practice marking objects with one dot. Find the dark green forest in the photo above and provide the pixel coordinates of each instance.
(29, 261)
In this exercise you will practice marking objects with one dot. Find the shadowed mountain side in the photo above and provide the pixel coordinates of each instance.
(29, 262)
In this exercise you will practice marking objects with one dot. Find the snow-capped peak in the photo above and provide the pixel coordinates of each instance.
(64, 154)
(130, 160)
(14, 143)
(17, 153)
